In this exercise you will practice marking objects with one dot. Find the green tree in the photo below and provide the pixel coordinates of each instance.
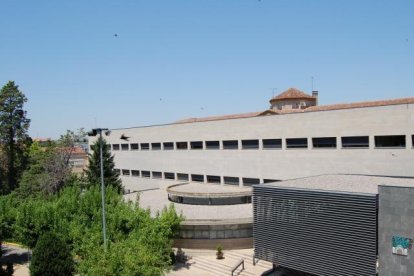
(51, 256)
(93, 173)
(13, 132)
(48, 172)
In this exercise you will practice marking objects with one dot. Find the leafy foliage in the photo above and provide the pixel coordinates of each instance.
(93, 173)
(51, 256)
(49, 170)
(13, 134)
(138, 243)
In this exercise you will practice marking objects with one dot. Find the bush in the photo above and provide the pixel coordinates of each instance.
(51, 256)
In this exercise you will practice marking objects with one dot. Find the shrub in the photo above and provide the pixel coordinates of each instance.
(51, 256)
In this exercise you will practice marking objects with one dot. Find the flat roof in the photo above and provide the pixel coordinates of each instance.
(344, 183)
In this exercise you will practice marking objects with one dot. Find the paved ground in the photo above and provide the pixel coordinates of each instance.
(18, 256)
(204, 263)
(156, 199)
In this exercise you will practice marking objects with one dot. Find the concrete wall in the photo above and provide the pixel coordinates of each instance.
(277, 163)
(395, 218)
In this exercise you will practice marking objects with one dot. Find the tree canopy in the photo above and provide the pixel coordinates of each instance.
(51, 256)
(93, 173)
(13, 133)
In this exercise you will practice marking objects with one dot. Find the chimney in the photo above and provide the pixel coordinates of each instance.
(315, 95)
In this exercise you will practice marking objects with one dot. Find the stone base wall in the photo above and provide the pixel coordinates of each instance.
(227, 244)
(207, 235)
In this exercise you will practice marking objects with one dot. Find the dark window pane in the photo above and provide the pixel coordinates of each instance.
(231, 144)
(355, 142)
(115, 147)
(295, 143)
(146, 174)
(250, 144)
(182, 176)
(390, 141)
(144, 146)
(231, 180)
(124, 146)
(181, 145)
(134, 173)
(196, 145)
(155, 146)
(212, 145)
(324, 142)
(272, 143)
(125, 172)
(270, 180)
(213, 179)
(169, 175)
(250, 181)
(168, 145)
(134, 146)
(197, 177)
(156, 175)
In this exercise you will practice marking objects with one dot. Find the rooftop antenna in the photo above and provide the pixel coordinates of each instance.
(274, 89)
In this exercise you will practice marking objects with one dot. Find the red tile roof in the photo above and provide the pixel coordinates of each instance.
(309, 109)
(292, 93)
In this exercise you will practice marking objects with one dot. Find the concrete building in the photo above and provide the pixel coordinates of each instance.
(336, 225)
(294, 139)
(371, 138)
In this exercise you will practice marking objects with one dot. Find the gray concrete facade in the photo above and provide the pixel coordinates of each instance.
(277, 164)
(395, 219)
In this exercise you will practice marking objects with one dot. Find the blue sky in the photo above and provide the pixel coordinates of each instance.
(175, 59)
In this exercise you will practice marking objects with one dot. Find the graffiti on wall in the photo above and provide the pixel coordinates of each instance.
(401, 245)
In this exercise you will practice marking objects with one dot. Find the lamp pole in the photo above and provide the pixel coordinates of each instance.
(94, 132)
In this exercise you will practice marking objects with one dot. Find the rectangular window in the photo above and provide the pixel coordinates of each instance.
(390, 141)
(270, 180)
(117, 171)
(134, 172)
(196, 145)
(250, 144)
(213, 179)
(168, 145)
(156, 146)
(135, 146)
(169, 175)
(115, 147)
(182, 176)
(181, 145)
(124, 146)
(250, 181)
(324, 142)
(355, 142)
(296, 143)
(272, 143)
(146, 174)
(125, 172)
(230, 180)
(231, 144)
(197, 177)
(156, 175)
(144, 146)
(212, 145)
(412, 141)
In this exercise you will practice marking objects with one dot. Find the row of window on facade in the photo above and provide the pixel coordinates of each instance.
(382, 141)
(213, 179)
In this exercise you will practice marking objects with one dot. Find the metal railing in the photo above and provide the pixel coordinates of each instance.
(236, 266)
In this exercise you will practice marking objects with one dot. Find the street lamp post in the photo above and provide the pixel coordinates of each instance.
(94, 132)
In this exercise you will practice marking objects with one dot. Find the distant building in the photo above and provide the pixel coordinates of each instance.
(78, 159)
